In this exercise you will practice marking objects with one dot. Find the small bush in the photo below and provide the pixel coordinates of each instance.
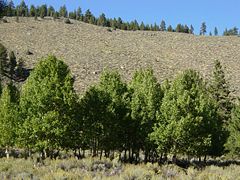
(4, 20)
(109, 29)
(67, 21)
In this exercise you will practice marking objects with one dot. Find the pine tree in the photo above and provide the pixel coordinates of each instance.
(3, 6)
(102, 21)
(50, 11)
(63, 11)
(170, 29)
(233, 142)
(32, 11)
(22, 9)
(162, 26)
(73, 15)
(231, 32)
(220, 91)
(191, 31)
(179, 28)
(186, 29)
(88, 16)
(156, 27)
(203, 29)
(79, 14)
(10, 8)
(215, 31)
(119, 23)
(43, 11)
(142, 27)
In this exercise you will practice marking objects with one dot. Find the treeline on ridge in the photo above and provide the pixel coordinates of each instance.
(185, 116)
(8, 9)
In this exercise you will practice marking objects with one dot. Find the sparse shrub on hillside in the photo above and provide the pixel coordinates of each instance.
(19, 70)
(12, 63)
(4, 20)
(67, 21)
(3, 59)
(109, 29)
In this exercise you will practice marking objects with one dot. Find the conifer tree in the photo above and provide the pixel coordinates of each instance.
(191, 31)
(162, 26)
(156, 27)
(179, 28)
(170, 29)
(63, 11)
(88, 16)
(3, 6)
(220, 91)
(79, 14)
(215, 31)
(233, 142)
(102, 21)
(50, 11)
(203, 29)
(22, 9)
(186, 29)
(32, 12)
(73, 15)
(142, 27)
(119, 23)
(43, 11)
(10, 9)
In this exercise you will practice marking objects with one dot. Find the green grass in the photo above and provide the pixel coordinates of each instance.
(91, 168)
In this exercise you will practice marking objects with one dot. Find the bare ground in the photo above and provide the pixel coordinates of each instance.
(88, 49)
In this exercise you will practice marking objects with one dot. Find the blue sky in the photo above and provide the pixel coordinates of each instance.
(219, 13)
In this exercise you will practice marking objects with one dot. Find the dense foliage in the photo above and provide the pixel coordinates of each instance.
(47, 105)
(187, 116)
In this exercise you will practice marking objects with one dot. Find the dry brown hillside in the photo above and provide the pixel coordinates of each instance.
(88, 49)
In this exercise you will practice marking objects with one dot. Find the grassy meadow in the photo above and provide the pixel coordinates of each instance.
(93, 168)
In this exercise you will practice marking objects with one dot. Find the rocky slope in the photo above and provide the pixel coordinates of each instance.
(88, 49)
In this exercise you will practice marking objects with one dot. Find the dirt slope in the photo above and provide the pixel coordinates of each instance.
(88, 49)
